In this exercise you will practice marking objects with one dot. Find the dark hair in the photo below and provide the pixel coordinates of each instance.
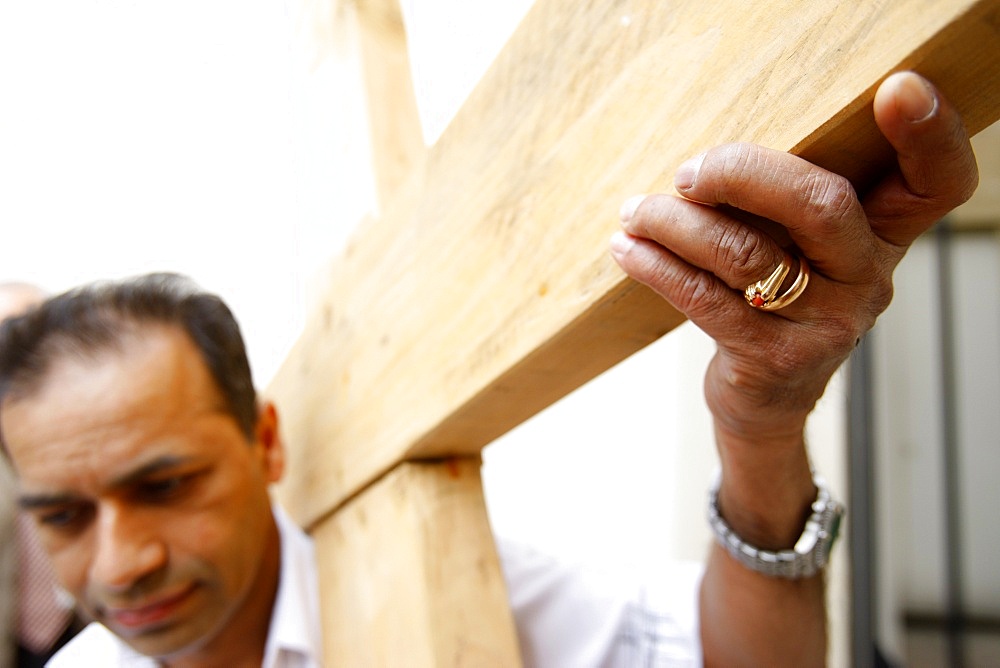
(99, 316)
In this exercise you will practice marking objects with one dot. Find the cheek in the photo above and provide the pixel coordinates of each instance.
(71, 563)
(199, 536)
(226, 538)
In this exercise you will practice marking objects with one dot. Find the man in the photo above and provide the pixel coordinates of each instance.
(131, 420)
(30, 604)
(144, 457)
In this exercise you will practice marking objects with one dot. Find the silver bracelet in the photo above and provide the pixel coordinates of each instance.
(811, 552)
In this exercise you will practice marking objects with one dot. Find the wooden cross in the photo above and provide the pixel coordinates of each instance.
(484, 290)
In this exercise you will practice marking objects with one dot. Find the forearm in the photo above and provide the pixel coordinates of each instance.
(747, 618)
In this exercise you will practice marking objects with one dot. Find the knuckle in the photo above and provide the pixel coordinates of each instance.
(967, 182)
(963, 165)
(838, 331)
(831, 199)
(881, 293)
(970, 187)
(694, 294)
(744, 251)
(841, 332)
(874, 297)
(939, 197)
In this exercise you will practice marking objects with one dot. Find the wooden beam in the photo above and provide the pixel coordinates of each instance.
(410, 576)
(485, 290)
(397, 138)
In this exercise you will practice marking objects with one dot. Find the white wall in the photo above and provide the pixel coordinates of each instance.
(909, 387)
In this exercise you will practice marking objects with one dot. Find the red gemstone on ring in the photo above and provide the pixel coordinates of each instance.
(757, 300)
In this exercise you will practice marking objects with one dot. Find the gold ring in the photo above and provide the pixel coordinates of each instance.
(764, 294)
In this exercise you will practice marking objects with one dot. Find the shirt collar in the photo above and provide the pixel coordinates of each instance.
(294, 636)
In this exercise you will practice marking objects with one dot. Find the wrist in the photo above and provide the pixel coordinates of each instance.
(756, 427)
(758, 409)
(782, 438)
(766, 488)
(769, 519)
(803, 558)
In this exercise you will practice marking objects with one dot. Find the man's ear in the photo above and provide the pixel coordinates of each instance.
(269, 438)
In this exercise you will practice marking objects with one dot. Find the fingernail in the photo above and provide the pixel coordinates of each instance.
(687, 173)
(629, 207)
(621, 243)
(916, 99)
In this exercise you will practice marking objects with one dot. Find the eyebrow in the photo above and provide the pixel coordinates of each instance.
(153, 467)
(164, 463)
(36, 501)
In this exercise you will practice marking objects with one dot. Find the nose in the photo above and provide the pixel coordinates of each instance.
(128, 548)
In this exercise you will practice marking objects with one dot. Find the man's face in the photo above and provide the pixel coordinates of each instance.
(148, 497)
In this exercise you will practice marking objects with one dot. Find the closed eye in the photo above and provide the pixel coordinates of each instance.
(65, 518)
(169, 488)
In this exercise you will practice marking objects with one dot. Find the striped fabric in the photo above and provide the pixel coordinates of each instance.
(41, 616)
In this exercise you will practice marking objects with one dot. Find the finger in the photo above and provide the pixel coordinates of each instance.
(707, 238)
(828, 317)
(819, 209)
(937, 168)
(734, 255)
(698, 294)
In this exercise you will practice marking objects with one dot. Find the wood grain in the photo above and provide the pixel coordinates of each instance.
(485, 291)
(410, 576)
(396, 136)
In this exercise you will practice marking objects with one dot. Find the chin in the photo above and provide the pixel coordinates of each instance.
(168, 644)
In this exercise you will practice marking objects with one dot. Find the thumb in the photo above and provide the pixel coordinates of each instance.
(936, 166)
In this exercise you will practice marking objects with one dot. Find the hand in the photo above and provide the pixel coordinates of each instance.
(772, 367)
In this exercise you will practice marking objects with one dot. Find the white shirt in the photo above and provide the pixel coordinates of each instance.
(579, 616)
(566, 616)
(294, 639)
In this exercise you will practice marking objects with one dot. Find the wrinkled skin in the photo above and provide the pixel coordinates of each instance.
(770, 368)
